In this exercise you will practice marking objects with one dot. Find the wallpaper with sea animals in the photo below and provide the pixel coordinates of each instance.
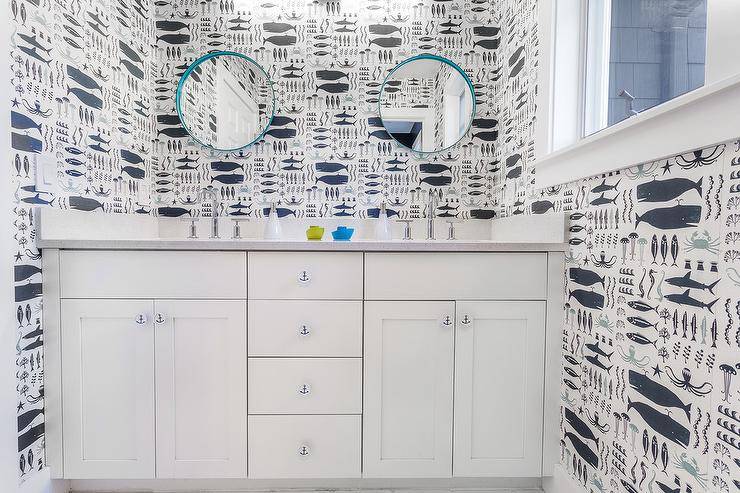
(651, 341)
(80, 84)
(326, 153)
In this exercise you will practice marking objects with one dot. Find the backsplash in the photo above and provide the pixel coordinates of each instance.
(651, 342)
(81, 109)
(326, 153)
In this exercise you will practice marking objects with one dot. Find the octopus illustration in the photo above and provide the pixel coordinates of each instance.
(685, 382)
(602, 261)
(631, 358)
(698, 158)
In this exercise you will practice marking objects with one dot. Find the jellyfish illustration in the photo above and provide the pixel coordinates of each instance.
(729, 372)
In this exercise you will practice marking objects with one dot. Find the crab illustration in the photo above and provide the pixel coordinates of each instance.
(691, 467)
(702, 241)
(603, 321)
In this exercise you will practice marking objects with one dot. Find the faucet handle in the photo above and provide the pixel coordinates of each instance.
(237, 234)
(406, 228)
(192, 227)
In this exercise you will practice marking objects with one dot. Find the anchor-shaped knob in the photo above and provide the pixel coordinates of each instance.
(304, 330)
(447, 321)
(140, 319)
(304, 450)
(304, 277)
(465, 320)
(304, 389)
(159, 318)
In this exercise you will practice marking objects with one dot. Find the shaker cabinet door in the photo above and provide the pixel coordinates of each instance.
(201, 362)
(108, 388)
(499, 377)
(408, 380)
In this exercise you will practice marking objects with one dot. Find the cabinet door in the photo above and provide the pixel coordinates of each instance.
(499, 377)
(408, 389)
(201, 361)
(108, 388)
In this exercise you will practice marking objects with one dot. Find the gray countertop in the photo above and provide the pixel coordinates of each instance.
(291, 245)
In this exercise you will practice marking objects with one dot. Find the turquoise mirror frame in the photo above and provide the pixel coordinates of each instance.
(429, 56)
(193, 66)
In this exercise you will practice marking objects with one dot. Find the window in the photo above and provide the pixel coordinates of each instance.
(640, 53)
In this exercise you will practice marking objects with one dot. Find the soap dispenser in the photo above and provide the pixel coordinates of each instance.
(382, 226)
(272, 227)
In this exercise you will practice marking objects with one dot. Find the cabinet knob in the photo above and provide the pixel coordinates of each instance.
(447, 321)
(304, 450)
(140, 319)
(159, 318)
(304, 330)
(304, 277)
(466, 320)
(304, 389)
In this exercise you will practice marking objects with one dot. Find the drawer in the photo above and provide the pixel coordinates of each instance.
(305, 386)
(304, 446)
(152, 274)
(455, 276)
(305, 275)
(305, 328)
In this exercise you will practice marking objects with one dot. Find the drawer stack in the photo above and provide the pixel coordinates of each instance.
(305, 364)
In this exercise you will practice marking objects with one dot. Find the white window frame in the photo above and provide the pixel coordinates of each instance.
(702, 117)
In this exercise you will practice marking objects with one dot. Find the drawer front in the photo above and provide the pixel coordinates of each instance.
(304, 446)
(305, 275)
(455, 276)
(305, 328)
(152, 274)
(305, 386)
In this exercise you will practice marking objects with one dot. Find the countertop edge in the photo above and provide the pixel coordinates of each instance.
(319, 246)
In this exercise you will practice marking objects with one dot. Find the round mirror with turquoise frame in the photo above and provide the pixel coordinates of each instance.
(427, 103)
(225, 101)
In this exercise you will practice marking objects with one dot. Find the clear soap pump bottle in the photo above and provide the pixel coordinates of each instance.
(272, 226)
(382, 226)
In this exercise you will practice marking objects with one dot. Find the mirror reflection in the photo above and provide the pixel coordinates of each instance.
(427, 103)
(225, 101)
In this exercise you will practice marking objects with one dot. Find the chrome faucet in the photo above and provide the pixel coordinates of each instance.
(432, 202)
(211, 193)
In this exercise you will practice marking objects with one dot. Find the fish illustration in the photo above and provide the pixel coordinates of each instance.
(37, 200)
(279, 121)
(32, 53)
(333, 179)
(22, 122)
(686, 282)
(226, 166)
(133, 172)
(484, 122)
(603, 187)
(665, 190)
(641, 306)
(86, 98)
(588, 299)
(685, 299)
(676, 217)
(542, 206)
(173, 132)
(433, 168)
(131, 157)
(333, 87)
(175, 39)
(84, 203)
(380, 134)
(331, 75)
(667, 489)
(487, 31)
(594, 360)
(170, 26)
(83, 79)
(33, 42)
(482, 214)
(585, 277)
(326, 167)
(168, 119)
(31, 436)
(488, 136)
(26, 292)
(278, 27)
(514, 173)
(230, 179)
(601, 200)
(661, 423)
(132, 68)
(129, 52)
(641, 339)
(641, 322)
(283, 40)
(281, 211)
(437, 181)
(383, 29)
(596, 349)
(657, 393)
(23, 272)
(25, 143)
(386, 42)
(488, 44)
(579, 426)
(173, 211)
(27, 417)
(282, 133)
(583, 450)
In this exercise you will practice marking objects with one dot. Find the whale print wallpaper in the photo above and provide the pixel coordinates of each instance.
(651, 341)
(80, 84)
(326, 153)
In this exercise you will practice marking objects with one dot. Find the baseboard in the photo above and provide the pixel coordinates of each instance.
(561, 482)
(468, 485)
